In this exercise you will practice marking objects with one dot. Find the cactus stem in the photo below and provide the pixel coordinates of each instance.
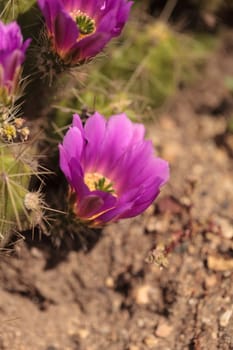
(9, 188)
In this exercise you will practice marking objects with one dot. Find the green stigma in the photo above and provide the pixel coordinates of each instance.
(85, 24)
(104, 185)
(96, 181)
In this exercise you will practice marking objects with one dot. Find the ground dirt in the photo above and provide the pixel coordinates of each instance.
(115, 296)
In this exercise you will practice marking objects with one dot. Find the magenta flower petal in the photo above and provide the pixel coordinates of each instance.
(12, 55)
(73, 143)
(138, 207)
(78, 123)
(137, 166)
(94, 204)
(71, 151)
(138, 133)
(111, 168)
(114, 214)
(50, 10)
(89, 47)
(94, 134)
(122, 17)
(77, 181)
(11, 64)
(65, 33)
(120, 133)
(80, 29)
(89, 205)
(109, 201)
(65, 163)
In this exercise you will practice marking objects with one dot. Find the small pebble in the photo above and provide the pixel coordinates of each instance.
(186, 201)
(214, 335)
(36, 253)
(150, 341)
(226, 228)
(206, 320)
(109, 282)
(163, 330)
(225, 318)
(210, 281)
(133, 347)
(142, 294)
(83, 333)
(218, 263)
(151, 224)
(141, 323)
(192, 301)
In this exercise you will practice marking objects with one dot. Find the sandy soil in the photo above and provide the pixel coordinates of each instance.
(115, 296)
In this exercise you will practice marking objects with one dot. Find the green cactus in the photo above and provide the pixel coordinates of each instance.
(15, 175)
(11, 9)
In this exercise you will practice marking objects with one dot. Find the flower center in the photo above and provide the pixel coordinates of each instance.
(96, 181)
(86, 24)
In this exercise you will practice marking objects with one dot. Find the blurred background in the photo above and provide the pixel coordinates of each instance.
(164, 280)
(164, 48)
